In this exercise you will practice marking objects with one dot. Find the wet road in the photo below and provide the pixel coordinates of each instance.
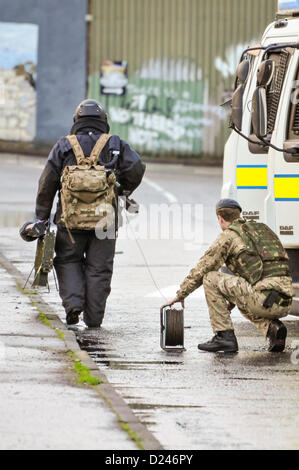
(191, 400)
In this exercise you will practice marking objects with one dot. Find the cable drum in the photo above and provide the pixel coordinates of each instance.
(172, 329)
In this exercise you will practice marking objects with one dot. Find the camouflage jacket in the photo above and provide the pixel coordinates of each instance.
(224, 250)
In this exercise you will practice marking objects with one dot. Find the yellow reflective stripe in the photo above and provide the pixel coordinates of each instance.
(286, 187)
(252, 176)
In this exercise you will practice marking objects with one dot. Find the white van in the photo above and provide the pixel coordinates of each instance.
(261, 157)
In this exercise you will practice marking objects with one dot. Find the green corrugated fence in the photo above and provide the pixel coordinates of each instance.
(181, 56)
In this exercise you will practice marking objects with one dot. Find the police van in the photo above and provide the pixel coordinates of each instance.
(261, 156)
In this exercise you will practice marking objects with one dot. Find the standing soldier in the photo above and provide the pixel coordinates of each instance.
(260, 286)
(89, 169)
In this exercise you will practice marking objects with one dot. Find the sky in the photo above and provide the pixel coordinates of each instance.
(18, 44)
(288, 4)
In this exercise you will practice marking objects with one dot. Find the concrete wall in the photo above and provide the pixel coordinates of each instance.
(61, 66)
(17, 107)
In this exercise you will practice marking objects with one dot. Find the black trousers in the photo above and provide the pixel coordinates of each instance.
(84, 272)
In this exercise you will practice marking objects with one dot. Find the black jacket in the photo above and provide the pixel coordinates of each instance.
(129, 170)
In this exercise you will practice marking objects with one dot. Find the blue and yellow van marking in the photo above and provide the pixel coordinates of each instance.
(286, 187)
(252, 177)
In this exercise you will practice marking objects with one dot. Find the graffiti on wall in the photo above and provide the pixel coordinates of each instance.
(18, 61)
(159, 116)
(165, 108)
(227, 66)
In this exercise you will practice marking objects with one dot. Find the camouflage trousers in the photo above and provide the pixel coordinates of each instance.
(222, 290)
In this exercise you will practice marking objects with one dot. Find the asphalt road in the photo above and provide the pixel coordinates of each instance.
(191, 400)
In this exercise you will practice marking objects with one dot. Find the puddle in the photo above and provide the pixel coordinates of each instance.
(118, 365)
(146, 406)
(107, 357)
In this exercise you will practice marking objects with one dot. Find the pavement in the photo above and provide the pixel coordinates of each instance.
(173, 401)
(46, 401)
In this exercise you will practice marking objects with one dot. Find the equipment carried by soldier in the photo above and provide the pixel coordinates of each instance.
(263, 255)
(172, 329)
(44, 256)
(274, 297)
(87, 192)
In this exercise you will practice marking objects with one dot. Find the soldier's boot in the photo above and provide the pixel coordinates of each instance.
(72, 318)
(225, 341)
(276, 334)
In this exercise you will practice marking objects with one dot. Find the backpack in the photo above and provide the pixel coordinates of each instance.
(263, 255)
(87, 189)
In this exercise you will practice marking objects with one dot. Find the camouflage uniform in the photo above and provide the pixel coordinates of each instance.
(252, 280)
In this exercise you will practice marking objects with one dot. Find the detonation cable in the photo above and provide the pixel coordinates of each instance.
(144, 258)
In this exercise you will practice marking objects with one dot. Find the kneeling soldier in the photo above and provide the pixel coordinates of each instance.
(260, 284)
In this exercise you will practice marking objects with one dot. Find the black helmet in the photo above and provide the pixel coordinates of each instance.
(90, 108)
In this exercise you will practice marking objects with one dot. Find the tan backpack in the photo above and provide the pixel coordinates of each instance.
(87, 191)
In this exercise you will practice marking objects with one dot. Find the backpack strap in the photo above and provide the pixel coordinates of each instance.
(96, 151)
(76, 147)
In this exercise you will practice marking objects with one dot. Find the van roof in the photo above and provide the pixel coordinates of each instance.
(290, 29)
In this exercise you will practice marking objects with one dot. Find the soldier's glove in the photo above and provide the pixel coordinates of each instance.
(33, 230)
